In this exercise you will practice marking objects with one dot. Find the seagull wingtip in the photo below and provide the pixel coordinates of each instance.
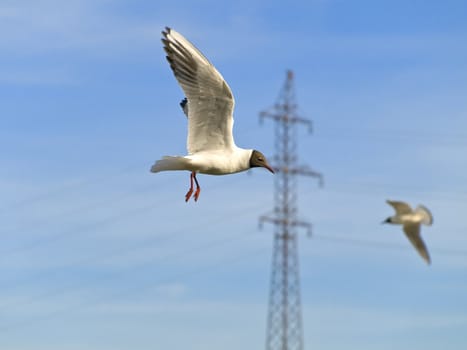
(166, 31)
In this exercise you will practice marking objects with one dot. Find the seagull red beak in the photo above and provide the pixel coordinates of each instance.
(267, 166)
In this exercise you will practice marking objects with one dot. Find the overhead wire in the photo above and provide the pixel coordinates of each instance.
(132, 288)
(155, 239)
(83, 229)
(386, 245)
(89, 228)
(85, 208)
(191, 272)
(362, 188)
(383, 134)
(63, 189)
(60, 235)
(22, 202)
(340, 132)
(333, 238)
(190, 250)
(343, 240)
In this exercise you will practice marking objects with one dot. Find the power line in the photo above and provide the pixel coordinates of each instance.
(89, 227)
(86, 228)
(386, 245)
(366, 188)
(173, 233)
(132, 288)
(63, 189)
(384, 134)
(203, 247)
(23, 202)
(85, 208)
(333, 238)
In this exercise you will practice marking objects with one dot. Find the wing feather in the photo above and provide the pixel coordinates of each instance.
(427, 217)
(210, 101)
(401, 208)
(412, 231)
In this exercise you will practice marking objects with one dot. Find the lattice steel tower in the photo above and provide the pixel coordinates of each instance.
(284, 324)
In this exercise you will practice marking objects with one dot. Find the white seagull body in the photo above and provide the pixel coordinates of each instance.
(411, 221)
(209, 107)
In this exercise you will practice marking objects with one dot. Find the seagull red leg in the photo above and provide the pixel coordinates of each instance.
(190, 191)
(198, 189)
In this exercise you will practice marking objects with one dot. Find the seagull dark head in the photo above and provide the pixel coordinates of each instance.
(387, 221)
(258, 159)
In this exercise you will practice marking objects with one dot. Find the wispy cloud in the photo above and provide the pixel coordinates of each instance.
(36, 26)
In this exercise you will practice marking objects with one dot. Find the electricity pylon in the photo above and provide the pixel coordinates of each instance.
(284, 324)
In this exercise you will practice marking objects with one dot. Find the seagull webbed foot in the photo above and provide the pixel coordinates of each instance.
(188, 194)
(198, 190)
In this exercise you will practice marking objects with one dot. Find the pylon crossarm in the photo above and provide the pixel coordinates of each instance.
(308, 226)
(286, 117)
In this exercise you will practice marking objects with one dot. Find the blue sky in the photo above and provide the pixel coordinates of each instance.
(97, 253)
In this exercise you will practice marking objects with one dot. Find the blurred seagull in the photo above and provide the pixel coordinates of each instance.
(208, 106)
(411, 221)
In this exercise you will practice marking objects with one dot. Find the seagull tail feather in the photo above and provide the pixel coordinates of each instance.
(427, 218)
(168, 163)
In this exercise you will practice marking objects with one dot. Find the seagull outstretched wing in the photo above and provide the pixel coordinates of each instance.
(210, 100)
(412, 231)
(401, 208)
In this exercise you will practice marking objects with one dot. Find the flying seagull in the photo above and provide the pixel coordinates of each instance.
(209, 107)
(411, 221)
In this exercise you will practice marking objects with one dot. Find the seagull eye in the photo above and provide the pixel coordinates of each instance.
(260, 159)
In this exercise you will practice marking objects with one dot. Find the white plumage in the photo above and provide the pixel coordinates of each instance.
(209, 107)
(411, 221)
